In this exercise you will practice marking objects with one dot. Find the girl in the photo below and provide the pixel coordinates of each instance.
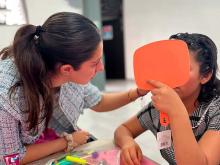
(193, 110)
(44, 80)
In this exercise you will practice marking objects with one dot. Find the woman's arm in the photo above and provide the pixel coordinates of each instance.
(10, 141)
(54, 146)
(38, 151)
(111, 101)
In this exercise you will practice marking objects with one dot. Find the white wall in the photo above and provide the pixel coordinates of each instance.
(150, 20)
(38, 11)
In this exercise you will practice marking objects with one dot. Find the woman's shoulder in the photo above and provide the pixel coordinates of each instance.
(71, 89)
(8, 74)
(13, 107)
(8, 77)
(7, 64)
(78, 89)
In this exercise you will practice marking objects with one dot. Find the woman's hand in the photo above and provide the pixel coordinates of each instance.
(131, 154)
(164, 98)
(80, 137)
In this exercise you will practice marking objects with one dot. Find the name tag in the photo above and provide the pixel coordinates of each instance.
(164, 139)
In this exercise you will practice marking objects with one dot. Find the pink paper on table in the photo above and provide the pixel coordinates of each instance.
(112, 157)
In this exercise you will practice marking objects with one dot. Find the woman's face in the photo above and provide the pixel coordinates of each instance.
(89, 68)
(191, 88)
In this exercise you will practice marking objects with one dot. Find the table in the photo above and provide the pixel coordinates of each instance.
(97, 145)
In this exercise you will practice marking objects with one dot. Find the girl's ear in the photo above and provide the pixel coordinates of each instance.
(205, 78)
(66, 69)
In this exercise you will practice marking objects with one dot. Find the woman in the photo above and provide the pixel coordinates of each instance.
(193, 110)
(45, 78)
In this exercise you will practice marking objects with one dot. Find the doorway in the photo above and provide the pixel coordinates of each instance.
(112, 23)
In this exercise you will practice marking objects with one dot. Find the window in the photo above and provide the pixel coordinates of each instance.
(12, 12)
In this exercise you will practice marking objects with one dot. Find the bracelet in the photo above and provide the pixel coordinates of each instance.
(129, 96)
(70, 142)
(138, 93)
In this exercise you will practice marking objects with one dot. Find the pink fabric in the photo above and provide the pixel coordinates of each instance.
(47, 135)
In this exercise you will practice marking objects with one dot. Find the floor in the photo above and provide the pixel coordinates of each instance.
(102, 125)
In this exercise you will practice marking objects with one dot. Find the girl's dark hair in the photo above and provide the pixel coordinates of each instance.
(206, 54)
(65, 38)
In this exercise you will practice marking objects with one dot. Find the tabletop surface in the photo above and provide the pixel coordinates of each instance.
(97, 145)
